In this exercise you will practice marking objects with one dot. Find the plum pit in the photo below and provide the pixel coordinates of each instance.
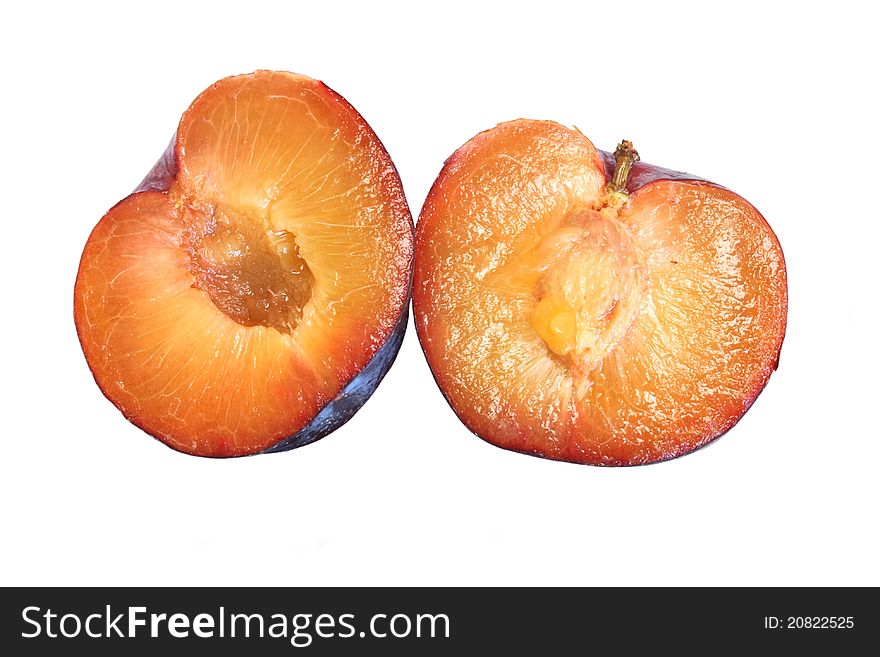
(591, 289)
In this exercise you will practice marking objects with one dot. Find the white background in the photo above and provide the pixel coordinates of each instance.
(776, 102)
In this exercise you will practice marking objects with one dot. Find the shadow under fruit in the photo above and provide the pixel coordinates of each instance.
(253, 291)
(586, 307)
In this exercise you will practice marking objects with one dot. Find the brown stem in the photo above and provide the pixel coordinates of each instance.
(626, 156)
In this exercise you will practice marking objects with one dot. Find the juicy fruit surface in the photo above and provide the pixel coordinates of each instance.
(561, 321)
(221, 313)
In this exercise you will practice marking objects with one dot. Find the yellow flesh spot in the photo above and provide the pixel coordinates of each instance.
(556, 323)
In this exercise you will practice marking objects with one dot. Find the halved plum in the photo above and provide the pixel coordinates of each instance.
(253, 291)
(575, 305)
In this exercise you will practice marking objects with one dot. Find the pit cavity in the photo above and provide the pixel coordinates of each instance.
(591, 289)
(252, 273)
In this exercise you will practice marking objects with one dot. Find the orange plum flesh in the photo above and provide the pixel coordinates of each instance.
(569, 321)
(254, 291)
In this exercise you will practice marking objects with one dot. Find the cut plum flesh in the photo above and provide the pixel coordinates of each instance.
(265, 267)
(566, 317)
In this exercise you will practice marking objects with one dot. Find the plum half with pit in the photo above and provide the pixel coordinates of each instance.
(586, 307)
